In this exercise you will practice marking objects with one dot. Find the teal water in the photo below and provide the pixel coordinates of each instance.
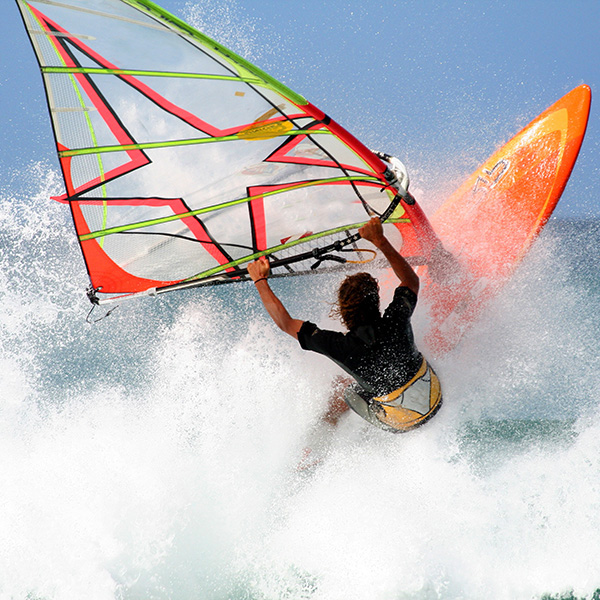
(153, 455)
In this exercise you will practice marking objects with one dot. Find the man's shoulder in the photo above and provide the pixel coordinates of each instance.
(403, 303)
(405, 292)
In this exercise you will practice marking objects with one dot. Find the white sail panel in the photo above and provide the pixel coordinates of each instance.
(183, 162)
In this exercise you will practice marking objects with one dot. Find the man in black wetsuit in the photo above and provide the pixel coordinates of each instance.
(395, 387)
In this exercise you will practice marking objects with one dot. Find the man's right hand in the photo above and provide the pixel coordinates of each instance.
(372, 231)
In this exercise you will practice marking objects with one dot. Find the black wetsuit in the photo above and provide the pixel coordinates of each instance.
(381, 357)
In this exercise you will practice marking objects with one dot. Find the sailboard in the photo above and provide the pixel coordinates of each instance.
(490, 222)
(182, 162)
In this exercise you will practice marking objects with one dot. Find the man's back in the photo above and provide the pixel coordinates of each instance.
(381, 357)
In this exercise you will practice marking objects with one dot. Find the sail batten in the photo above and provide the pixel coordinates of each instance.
(142, 73)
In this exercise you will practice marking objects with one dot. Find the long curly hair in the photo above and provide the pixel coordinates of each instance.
(357, 301)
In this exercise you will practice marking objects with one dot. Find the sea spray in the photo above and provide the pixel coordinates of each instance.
(154, 454)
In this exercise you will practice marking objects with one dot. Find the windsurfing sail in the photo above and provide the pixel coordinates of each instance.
(183, 162)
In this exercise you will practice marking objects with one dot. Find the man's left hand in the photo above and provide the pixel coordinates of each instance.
(259, 268)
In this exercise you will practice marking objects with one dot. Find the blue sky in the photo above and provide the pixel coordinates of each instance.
(441, 85)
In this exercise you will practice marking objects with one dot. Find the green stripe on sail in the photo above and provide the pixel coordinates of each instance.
(240, 64)
(175, 143)
(138, 73)
(193, 213)
(274, 249)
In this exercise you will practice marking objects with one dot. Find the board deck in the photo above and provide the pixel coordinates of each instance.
(490, 222)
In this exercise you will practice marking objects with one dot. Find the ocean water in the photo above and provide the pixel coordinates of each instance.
(153, 454)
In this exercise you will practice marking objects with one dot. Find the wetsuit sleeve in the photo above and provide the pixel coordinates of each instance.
(323, 341)
(305, 333)
(402, 305)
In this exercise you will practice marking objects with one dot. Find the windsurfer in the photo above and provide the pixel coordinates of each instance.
(395, 388)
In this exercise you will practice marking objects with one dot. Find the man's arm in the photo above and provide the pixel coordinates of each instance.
(259, 272)
(372, 231)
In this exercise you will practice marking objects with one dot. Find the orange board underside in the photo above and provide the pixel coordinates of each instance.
(489, 223)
